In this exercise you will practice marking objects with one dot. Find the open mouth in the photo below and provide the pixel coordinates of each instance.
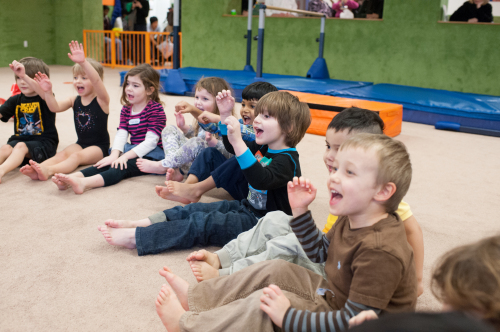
(335, 197)
(258, 132)
(246, 120)
(130, 97)
(79, 89)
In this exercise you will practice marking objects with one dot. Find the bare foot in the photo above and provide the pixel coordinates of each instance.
(210, 258)
(29, 171)
(2, 173)
(60, 185)
(127, 223)
(149, 166)
(174, 174)
(124, 237)
(167, 193)
(185, 191)
(75, 183)
(203, 271)
(169, 308)
(179, 285)
(43, 173)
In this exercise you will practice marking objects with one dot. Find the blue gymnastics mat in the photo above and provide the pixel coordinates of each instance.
(429, 106)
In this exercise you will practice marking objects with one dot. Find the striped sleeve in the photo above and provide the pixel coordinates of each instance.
(313, 241)
(335, 321)
(124, 117)
(156, 119)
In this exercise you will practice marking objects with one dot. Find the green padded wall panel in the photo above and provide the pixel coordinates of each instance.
(407, 47)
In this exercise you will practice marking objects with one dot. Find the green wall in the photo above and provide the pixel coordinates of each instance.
(47, 25)
(407, 47)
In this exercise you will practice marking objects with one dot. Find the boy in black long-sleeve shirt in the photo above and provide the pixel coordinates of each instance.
(268, 164)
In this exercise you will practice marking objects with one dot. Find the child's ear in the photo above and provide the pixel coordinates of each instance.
(150, 91)
(385, 192)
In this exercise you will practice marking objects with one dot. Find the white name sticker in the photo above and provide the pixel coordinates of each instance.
(134, 121)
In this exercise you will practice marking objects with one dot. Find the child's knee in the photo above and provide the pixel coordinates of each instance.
(22, 147)
(7, 149)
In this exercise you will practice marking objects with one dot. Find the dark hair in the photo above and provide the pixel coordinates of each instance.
(292, 115)
(257, 90)
(34, 65)
(467, 278)
(149, 77)
(359, 120)
(153, 19)
(105, 7)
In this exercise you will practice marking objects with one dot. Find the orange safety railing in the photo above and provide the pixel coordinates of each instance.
(130, 48)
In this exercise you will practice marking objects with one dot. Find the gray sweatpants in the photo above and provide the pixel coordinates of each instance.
(272, 238)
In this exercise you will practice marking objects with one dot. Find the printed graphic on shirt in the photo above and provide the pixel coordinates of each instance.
(257, 198)
(84, 121)
(29, 119)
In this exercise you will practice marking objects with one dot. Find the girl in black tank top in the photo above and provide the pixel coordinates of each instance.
(91, 120)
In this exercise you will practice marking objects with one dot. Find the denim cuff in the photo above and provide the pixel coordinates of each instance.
(224, 258)
(246, 159)
(157, 217)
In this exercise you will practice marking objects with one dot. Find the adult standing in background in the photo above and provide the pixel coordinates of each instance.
(473, 11)
(139, 11)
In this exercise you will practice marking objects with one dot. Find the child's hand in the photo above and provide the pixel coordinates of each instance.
(77, 54)
(121, 162)
(208, 117)
(275, 304)
(211, 140)
(179, 120)
(18, 69)
(106, 161)
(301, 193)
(225, 103)
(43, 81)
(362, 317)
(184, 107)
(233, 130)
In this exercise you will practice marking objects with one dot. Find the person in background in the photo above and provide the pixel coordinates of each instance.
(320, 6)
(372, 9)
(473, 11)
(344, 4)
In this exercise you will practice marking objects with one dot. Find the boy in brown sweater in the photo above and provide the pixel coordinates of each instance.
(369, 264)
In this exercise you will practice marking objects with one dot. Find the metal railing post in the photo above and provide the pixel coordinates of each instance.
(176, 34)
(248, 66)
(260, 47)
(322, 37)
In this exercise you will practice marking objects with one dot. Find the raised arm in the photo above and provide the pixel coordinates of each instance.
(19, 70)
(54, 106)
(77, 55)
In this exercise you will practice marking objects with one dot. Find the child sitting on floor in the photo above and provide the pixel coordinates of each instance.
(35, 134)
(142, 117)
(369, 263)
(211, 169)
(268, 164)
(90, 112)
(466, 279)
(183, 146)
(272, 237)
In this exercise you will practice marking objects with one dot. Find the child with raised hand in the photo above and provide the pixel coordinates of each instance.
(90, 109)
(183, 146)
(211, 168)
(35, 134)
(267, 164)
(273, 238)
(465, 279)
(369, 264)
(142, 117)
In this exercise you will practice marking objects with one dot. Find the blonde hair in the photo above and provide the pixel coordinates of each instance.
(213, 85)
(34, 65)
(78, 70)
(393, 163)
(149, 77)
(484, 1)
(467, 278)
(292, 115)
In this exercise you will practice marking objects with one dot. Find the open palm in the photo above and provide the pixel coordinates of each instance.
(225, 102)
(77, 54)
(43, 81)
(301, 193)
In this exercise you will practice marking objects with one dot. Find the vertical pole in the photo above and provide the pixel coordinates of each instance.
(113, 49)
(249, 34)
(322, 37)
(177, 4)
(260, 48)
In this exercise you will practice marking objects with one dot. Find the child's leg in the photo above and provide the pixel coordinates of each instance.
(185, 193)
(204, 164)
(15, 159)
(5, 152)
(236, 184)
(80, 184)
(74, 158)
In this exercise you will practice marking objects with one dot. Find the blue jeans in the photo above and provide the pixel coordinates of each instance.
(195, 224)
(226, 173)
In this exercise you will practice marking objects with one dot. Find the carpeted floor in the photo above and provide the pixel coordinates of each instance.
(58, 273)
